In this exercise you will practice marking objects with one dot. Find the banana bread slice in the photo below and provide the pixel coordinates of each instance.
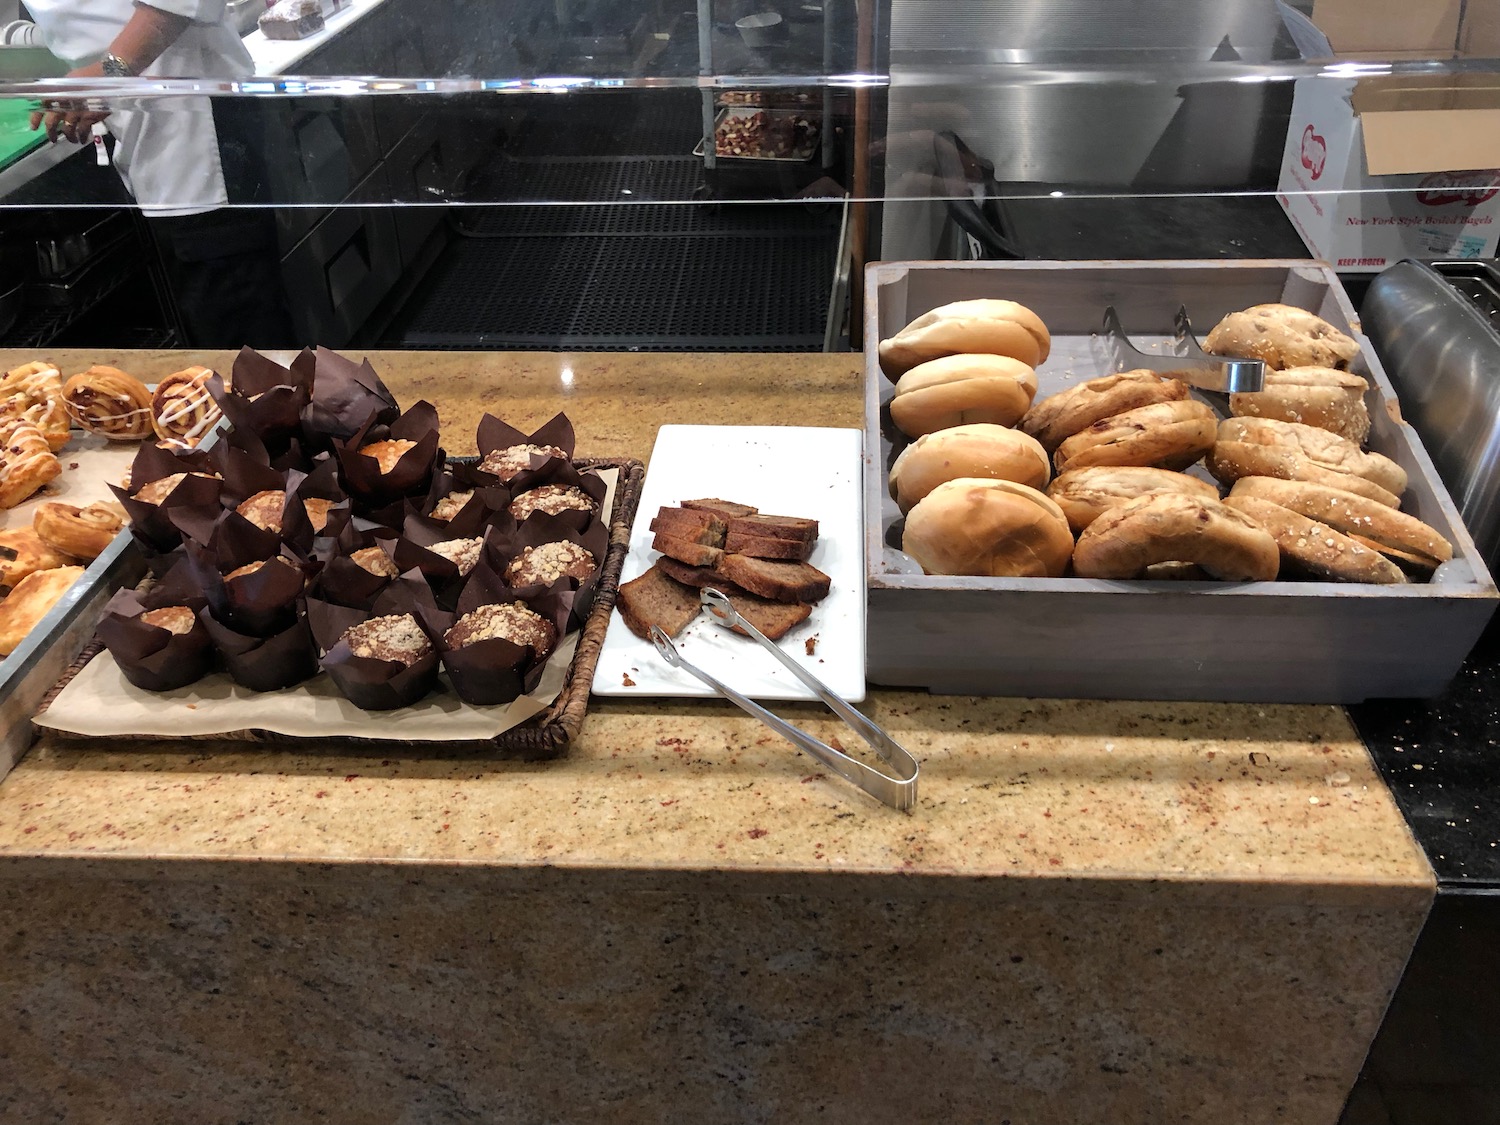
(761, 547)
(696, 576)
(776, 527)
(694, 527)
(657, 599)
(779, 581)
(694, 554)
(774, 619)
(729, 509)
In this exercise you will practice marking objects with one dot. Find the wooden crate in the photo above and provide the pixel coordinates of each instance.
(1088, 638)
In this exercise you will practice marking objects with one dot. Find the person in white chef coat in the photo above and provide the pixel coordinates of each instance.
(181, 165)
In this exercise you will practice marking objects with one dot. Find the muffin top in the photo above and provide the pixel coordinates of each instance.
(178, 619)
(516, 459)
(376, 561)
(397, 637)
(387, 452)
(264, 509)
(463, 553)
(552, 499)
(450, 505)
(511, 621)
(549, 562)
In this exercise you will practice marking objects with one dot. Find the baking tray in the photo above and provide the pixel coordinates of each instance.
(1086, 638)
(796, 156)
(546, 736)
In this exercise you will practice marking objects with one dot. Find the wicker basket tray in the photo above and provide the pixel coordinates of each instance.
(545, 736)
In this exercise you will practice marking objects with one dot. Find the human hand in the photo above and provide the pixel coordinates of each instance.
(70, 118)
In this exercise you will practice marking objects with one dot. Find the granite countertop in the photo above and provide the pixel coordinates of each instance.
(1209, 796)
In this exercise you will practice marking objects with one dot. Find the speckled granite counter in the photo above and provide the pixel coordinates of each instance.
(1099, 912)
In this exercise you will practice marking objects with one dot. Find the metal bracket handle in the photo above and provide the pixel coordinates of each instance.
(899, 792)
(1224, 374)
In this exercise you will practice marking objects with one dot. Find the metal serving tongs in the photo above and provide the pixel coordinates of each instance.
(900, 792)
(1191, 364)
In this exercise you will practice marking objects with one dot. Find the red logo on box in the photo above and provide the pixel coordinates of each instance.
(1314, 152)
(1442, 188)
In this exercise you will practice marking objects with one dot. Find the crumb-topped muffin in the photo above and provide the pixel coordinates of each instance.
(264, 509)
(462, 553)
(549, 562)
(553, 499)
(516, 459)
(387, 453)
(251, 568)
(397, 637)
(511, 621)
(450, 505)
(159, 490)
(178, 619)
(317, 509)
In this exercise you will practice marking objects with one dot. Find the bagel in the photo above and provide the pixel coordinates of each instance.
(981, 450)
(958, 389)
(1282, 336)
(1168, 435)
(988, 527)
(1264, 447)
(1398, 536)
(1086, 494)
(990, 326)
(1060, 416)
(1316, 396)
(1316, 548)
(1170, 527)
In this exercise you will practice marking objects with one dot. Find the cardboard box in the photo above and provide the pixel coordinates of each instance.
(1389, 28)
(1383, 169)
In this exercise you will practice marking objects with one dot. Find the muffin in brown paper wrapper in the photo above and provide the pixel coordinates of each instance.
(538, 530)
(411, 474)
(259, 604)
(346, 397)
(176, 585)
(322, 483)
(488, 500)
(244, 473)
(496, 671)
(152, 525)
(468, 524)
(564, 473)
(150, 657)
(379, 685)
(493, 434)
(265, 663)
(266, 399)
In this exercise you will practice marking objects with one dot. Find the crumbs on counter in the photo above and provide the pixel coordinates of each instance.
(811, 645)
(625, 680)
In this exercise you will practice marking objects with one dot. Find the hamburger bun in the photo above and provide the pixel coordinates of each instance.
(959, 389)
(1086, 494)
(1315, 396)
(1265, 447)
(1170, 527)
(1058, 417)
(1282, 336)
(988, 527)
(992, 327)
(1167, 435)
(981, 450)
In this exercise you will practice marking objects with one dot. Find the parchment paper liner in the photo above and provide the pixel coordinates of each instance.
(379, 685)
(346, 398)
(265, 663)
(152, 525)
(489, 499)
(411, 474)
(496, 671)
(564, 473)
(149, 656)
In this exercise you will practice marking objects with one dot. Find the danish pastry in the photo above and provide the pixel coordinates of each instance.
(182, 409)
(23, 552)
(26, 462)
(1170, 527)
(29, 602)
(106, 401)
(36, 381)
(1058, 417)
(1283, 336)
(81, 532)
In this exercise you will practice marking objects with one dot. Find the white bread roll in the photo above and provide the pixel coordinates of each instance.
(980, 450)
(958, 389)
(988, 527)
(986, 325)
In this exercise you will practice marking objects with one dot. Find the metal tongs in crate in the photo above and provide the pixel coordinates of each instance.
(1190, 363)
(900, 792)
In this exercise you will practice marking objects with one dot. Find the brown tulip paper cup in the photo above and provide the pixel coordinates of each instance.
(346, 396)
(593, 486)
(265, 663)
(320, 484)
(266, 399)
(244, 474)
(150, 657)
(152, 525)
(379, 685)
(411, 474)
(259, 604)
(497, 671)
(494, 434)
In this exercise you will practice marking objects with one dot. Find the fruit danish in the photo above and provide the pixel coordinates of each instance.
(107, 401)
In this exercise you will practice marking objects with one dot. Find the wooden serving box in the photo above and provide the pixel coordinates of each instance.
(1309, 642)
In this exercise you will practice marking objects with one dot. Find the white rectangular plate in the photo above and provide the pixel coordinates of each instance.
(787, 471)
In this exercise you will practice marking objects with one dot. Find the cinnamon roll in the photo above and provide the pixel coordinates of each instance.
(81, 532)
(182, 407)
(105, 400)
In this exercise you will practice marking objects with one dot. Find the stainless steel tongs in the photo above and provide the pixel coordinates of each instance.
(1191, 364)
(900, 792)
